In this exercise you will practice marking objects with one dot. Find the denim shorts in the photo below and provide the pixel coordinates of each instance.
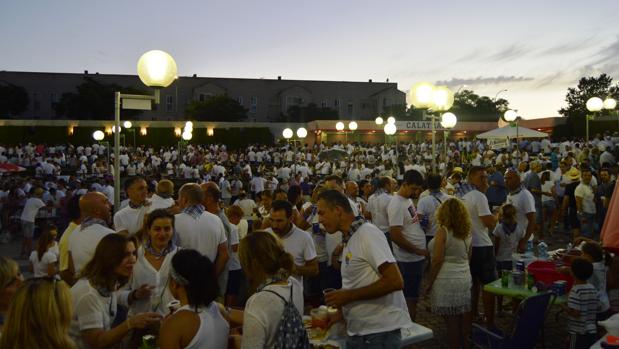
(381, 340)
(412, 274)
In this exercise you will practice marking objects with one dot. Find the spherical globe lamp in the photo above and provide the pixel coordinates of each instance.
(287, 133)
(420, 95)
(98, 135)
(339, 126)
(353, 125)
(595, 104)
(302, 132)
(449, 120)
(157, 69)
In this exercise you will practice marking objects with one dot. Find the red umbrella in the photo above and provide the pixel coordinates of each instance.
(610, 229)
(8, 167)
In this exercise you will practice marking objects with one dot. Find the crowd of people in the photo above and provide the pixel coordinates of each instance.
(222, 246)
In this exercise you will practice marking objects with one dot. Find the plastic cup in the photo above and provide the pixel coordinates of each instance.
(505, 276)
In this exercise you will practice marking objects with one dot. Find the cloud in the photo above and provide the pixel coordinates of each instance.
(569, 47)
(480, 80)
(509, 53)
(607, 58)
(557, 78)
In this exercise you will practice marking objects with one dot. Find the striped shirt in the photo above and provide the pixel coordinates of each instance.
(583, 298)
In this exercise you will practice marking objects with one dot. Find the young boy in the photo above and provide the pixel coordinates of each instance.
(582, 306)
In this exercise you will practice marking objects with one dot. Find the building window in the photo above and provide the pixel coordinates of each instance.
(36, 104)
(169, 103)
(253, 104)
(336, 103)
(384, 102)
(324, 103)
(349, 109)
(239, 99)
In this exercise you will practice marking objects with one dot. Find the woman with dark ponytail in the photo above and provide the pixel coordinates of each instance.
(268, 269)
(198, 322)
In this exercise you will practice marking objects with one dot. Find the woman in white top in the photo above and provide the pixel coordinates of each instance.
(198, 323)
(268, 268)
(153, 263)
(95, 295)
(44, 260)
(450, 277)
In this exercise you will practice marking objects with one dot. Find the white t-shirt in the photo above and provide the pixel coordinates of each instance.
(477, 205)
(427, 206)
(31, 208)
(233, 262)
(263, 312)
(242, 228)
(248, 206)
(364, 253)
(145, 274)
(40, 266)
(300, 245)
(90, 310)
(401, 212)
(377, 205)
(157, 202)
(203, 234)
(524, 203)
(586, 193)
(507, 243)
(130, 219)
(82, 244)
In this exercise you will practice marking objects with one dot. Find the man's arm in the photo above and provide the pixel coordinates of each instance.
(489, 221)
(390, 280)
(222, 257)
(309, 269)
(398, 238)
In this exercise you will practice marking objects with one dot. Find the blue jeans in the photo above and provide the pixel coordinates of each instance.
(382, 340)
(587, 224)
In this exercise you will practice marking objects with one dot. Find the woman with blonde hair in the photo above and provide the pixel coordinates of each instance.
(11, 280)
(268, 269)
(39, 316)
(450, 280)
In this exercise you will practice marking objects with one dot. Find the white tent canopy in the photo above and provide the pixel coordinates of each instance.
(512, 132)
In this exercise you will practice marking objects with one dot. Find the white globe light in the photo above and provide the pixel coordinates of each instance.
(339, 126)
(420, 95)
(510, 115)
(127, 124)
(157, 69)
(353, 125)
(391, 120)
(287, 133)
(390, 129)
(187, 135)
(114, 129)
(610, 103)
(595, 104)
(442, 98)
(449, 120)
(302, 132)
(379, 121)
(98, 135)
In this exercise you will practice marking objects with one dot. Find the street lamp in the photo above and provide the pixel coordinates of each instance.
(609, 104)
(594, 105)
(156, 69)
(448, 121)
(379, 121)
(512, 117)
(98, 135)
(391, 120)
(127, 125)
(302, 132)
(287, 133)
(390, 129)
(339, 126)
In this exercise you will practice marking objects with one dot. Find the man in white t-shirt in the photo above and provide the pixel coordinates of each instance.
(199, 229)
(483, 261)
(378, 202)
(408, 238)
(28, 217)
(297, 242)
(163, 196)
(96, 211)
(130, 219)
(524, 202)
(371, 298)
(428, 205)
(585, 204)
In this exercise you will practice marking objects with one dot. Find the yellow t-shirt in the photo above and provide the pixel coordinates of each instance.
(63, 246)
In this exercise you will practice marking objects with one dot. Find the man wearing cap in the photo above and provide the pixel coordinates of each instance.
(569, 201)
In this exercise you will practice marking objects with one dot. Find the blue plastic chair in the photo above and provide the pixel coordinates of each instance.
(528, 324)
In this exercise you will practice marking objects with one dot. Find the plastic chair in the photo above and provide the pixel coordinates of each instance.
(528, 324)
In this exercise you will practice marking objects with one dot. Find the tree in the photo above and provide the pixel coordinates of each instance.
(14, 100)
(308, 113)
(576, 98)
(216, 108)
(469, 106)
(93, 100)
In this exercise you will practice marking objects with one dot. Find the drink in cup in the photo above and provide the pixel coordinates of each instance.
(505, 276)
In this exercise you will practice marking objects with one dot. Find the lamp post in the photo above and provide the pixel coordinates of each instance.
(610, 104)
(512, 117)
(352, 126)
(390, 130)
(448, 121)
(156, 69)
(497, 94)
(594, 105)
(339, 126)
(379, 121)
(127, 125)
(186, 136)
(435, 99)
(98, 136)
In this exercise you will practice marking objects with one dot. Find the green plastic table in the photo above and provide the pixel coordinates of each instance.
(515, 291)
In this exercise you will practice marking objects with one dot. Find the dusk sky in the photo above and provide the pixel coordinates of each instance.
(534, 49)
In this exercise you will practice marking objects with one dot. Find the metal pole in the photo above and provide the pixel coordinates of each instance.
(587, 128)
(517, 144)
(433, 145)
(117, 152)
(445, 146)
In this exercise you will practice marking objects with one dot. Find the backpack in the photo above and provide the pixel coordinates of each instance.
(291, 333)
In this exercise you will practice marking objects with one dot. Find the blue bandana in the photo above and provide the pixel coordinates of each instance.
(194, 211)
